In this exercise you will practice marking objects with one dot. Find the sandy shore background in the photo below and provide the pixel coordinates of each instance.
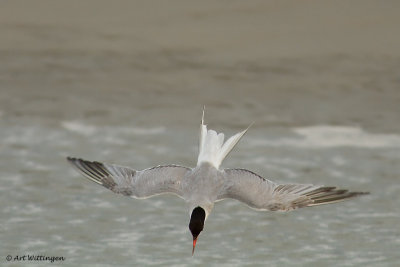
(265, 59)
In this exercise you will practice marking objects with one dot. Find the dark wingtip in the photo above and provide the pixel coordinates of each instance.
(73, 160)
(327, 195)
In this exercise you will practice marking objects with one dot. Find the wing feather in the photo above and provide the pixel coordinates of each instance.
(130, 182)
(260, 193)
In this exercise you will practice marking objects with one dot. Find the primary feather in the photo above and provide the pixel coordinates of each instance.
(260, 193)
(130, 182)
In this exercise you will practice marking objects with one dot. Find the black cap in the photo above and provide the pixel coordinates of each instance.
(197, 218)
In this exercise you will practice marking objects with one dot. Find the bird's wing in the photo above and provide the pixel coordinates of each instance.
(130, 182)
(262, 194)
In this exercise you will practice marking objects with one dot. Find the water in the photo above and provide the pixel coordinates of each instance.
(100, 91)
(49, 209)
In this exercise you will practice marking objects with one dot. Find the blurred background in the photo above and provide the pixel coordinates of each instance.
(125, 82)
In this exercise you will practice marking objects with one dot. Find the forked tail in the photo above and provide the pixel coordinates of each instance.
(212, 148)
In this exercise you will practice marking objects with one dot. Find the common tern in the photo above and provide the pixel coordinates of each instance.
(207, 183)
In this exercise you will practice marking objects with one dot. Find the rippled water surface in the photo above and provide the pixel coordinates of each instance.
(92, 88)
(51, 209)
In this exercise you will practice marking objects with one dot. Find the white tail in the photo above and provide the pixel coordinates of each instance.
(212, 148)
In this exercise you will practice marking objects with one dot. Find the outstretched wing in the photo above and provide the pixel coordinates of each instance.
(130, 182)
(262, 194)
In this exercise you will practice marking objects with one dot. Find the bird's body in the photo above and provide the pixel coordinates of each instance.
(207, 183)
(202, 192)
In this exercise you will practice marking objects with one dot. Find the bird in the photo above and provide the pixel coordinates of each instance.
(205, 184)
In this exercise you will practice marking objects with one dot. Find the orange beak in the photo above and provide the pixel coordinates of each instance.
(194, 244)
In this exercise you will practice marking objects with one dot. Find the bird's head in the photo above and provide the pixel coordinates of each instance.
(196, 224)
